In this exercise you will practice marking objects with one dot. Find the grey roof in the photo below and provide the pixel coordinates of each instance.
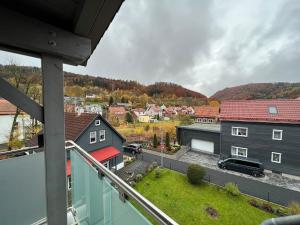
(85, 18)
(211, 127)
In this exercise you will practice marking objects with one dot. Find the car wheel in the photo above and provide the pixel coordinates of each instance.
(255, 174)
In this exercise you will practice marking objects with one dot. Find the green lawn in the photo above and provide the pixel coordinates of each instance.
(186, 203)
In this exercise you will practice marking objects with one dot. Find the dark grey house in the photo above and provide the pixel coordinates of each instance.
(267, 130)
(94, 134)
(200, 137)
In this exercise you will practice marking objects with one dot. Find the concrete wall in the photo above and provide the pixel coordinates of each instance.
(22, 189)
(260, 144)
(111, 139)
(185, 136)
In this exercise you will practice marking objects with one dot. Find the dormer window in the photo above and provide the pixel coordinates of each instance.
(273, 110)
(97, 122)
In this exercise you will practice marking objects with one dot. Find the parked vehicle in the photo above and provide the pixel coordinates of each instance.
(243, 165)
(133, 148)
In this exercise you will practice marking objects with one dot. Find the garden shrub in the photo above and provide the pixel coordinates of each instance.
(138, 177)
(294, 208)
(267, 207)
(150, 168)
(195, 173)
(132, 184)
(254, 203)
(157, 173)
(232, 189)
(154, 164)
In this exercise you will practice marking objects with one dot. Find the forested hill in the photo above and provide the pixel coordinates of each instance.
(85, 81)
(260, 91)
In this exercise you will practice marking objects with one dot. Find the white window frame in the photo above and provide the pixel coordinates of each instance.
(273, 137)
(101, 134)
(237, 151)
(95, 134)
(97, 122)
(69, 182)
(237, 128)
(272, 159)
(106, 164)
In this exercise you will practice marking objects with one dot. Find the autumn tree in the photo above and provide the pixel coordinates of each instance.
(111, 100)
(129, 118)
(155, 141)
(168, 141)
(24, 83)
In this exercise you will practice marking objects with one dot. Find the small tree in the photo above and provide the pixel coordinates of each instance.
(232, 189)
(168, 141)
(111, 100)
(195, 173)
(129, 118)
(294, 208)
(155, 141)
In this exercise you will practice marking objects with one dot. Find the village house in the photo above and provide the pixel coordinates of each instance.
(117, 112)
(154, 111)
(93, 133)
(207, 114)
(264, 130)
(94, 108)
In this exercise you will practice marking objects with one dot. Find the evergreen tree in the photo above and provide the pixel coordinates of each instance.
(111, 100)
(155, 141)
(129, 118)
(168, 141)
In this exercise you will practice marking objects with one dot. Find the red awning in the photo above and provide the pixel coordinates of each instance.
(100, 155)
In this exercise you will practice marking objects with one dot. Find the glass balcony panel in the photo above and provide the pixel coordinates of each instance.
(96, 201)
(22, 189)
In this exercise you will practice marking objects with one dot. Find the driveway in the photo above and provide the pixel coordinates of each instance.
(210, 161)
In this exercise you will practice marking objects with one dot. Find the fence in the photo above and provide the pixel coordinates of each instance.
(256, 188)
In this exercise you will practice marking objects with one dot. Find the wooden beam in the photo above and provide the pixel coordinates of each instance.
(22, 101)
(54, 140)
(22, 33)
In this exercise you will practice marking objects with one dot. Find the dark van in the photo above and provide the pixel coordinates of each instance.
(243, 165)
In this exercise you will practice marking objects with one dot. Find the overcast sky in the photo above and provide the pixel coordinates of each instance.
(204, 45)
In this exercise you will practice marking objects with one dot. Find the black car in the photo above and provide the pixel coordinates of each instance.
(243, 165)
(133, 148)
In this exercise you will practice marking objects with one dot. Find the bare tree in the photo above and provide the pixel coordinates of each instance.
(24, 83)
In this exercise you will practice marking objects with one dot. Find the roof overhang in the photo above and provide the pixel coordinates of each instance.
(67, 29)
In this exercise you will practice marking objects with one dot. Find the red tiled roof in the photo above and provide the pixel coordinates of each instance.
(75, 124)
(288, 111)
(101, 155)
(117, 109)
(6, 108)
(206, 111)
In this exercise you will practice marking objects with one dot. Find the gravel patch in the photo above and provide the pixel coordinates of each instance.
(210, 161)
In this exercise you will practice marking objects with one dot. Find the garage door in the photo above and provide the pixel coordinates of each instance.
(200, 145)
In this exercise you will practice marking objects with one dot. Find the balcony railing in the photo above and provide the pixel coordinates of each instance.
(98, 196)
(101, 197)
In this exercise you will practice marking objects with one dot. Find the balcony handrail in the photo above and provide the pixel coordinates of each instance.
(21, 150)
(123, 187)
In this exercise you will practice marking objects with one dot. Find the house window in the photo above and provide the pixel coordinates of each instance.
(93, 137)
(239, 151)
(276, 157)
(277, 134)
(69, 183)
(106, 164)
(102, 135)
(239, 131)
(97, 122)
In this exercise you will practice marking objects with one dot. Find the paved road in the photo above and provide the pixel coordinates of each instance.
(255, 188)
